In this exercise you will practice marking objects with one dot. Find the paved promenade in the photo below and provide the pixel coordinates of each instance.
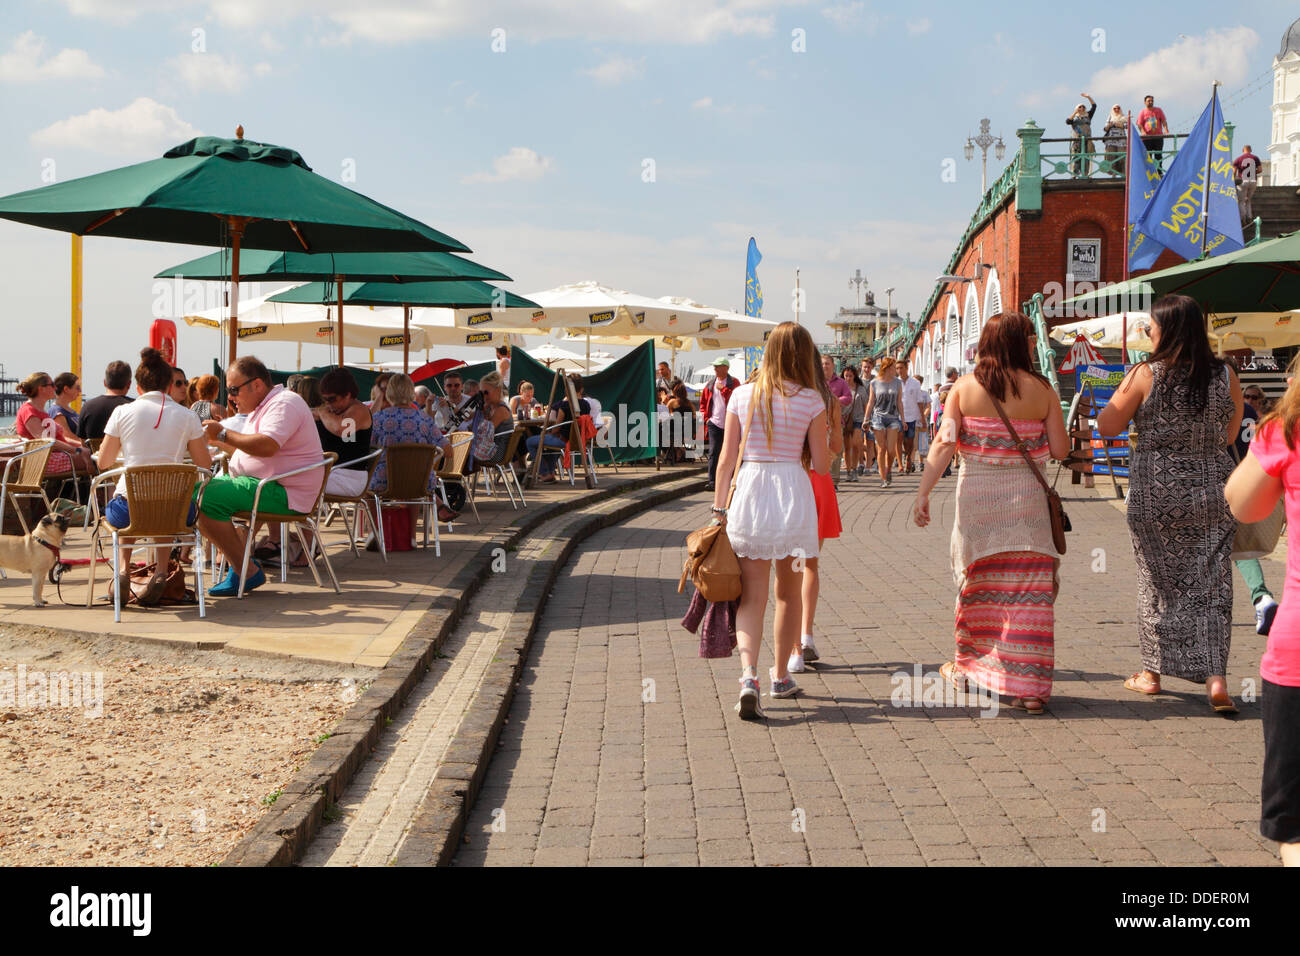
(622, 747)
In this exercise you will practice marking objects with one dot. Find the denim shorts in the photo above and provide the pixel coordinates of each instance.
(909, 430)
(882, 422)
(118, 513)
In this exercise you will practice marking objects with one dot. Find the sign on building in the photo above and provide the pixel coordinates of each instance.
(1085, 260)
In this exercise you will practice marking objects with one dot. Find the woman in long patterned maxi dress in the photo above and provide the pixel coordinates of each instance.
(1186, 407)
(1003, 558)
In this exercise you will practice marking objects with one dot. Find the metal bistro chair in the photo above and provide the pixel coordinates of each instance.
(160, 497)
(602, 440)
(409, 466)
(504, 469)
(309, 518)
(454, 472)
(23, 478)
(360, 505)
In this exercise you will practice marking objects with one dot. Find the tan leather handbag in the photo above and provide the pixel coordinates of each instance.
(711, 563)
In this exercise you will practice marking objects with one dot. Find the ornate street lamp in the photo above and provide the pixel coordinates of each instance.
(984, 140)
(856, 282)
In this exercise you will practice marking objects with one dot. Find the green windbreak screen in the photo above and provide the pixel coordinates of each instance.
(625, 389)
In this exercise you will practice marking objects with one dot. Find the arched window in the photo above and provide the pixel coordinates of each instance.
(992, 296)
(952, 340)
(971, 323)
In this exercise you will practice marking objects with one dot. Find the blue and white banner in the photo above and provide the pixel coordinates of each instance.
(753, 291)
(1143, 178)
(1174, 218)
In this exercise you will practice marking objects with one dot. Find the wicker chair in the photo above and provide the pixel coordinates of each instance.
(308, 518)
(409, 466)
(160, 497)
(23, 478)
(454, 473)
(360, 503)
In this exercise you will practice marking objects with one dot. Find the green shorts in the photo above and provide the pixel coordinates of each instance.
(226, 495)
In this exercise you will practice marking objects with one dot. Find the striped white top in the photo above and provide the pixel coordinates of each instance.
(793, 413)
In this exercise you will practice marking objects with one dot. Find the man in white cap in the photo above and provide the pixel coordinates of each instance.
(713, 409)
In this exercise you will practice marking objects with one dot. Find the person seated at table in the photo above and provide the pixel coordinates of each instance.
(378, 397)
(682, 421)
(422, 396)
(554, 436)
(279, 435)
(497, 412)
(400, 422)
(156, 430)
(180, 388)
(94, 414)
(345, 424)
(205, 407)
(67, 389)
(447, 407)
(521, 406)
(308, 389)
(33, 422)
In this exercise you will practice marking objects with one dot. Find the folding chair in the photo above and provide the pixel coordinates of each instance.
(602, 440)
(409, 466)
(308, 518)
(360, 505)
(159, 498)
(504, 468)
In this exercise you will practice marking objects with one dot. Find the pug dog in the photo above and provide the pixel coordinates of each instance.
(35, 553)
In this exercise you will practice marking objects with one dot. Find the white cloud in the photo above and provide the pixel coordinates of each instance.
(212, 72)
(703, 103)
(849, 16)
(615, 70)
(918, 27)
(269, 43)
(143, 128)
(23, 63)
(118, 11)
(1058, 95)
(521, 163)
(1182, 71)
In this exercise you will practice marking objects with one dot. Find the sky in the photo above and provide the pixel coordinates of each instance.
(634, 143)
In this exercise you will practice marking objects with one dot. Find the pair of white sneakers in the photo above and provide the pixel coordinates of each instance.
(807, 653)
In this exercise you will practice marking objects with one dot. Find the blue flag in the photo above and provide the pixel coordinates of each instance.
(1174, 217)
(1143, 178)
(753, 291)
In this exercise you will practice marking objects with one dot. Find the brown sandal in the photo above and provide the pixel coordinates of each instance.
(1140, 685)
(1030, 705)
(953, 676)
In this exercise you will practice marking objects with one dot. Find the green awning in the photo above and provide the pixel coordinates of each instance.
(265, 265)
(448, 295)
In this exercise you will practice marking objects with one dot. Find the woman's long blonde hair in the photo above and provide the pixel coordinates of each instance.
(789, 358)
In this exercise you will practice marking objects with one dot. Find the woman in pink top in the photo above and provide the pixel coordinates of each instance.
(1272, 471)
(772, 515)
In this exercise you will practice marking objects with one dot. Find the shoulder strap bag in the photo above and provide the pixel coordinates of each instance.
(1060, 521)
(711, 564)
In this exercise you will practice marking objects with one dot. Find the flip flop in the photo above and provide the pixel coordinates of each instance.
(1030, 705)
(1140, 685)
(1223, 704)
(949, 672)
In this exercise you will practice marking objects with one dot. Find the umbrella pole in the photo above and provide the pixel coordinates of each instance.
(588, 353)
(1123, 345)
(406, 340)
(236, 226)
(339, 281)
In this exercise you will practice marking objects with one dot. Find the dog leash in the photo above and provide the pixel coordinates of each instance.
(59, 566)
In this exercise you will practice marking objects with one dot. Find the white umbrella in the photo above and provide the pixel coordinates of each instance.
(1242, 330)
(554, 357)
(260, 320)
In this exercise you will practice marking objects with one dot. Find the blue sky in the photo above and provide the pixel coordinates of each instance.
(534, 156)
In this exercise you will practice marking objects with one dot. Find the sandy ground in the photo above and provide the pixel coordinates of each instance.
(186, 751)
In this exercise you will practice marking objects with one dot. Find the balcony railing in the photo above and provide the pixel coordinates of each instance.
(1057, 158)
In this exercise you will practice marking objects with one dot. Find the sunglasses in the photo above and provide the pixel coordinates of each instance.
(233, 390)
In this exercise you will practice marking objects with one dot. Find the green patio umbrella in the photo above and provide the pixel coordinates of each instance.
(444, 294)
(1259, 278)
(338, 269)
(213, 191)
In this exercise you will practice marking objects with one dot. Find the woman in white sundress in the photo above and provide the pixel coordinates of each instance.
(772, 516)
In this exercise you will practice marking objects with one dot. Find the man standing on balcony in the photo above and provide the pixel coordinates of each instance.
(1246, 173)
(713, 409)
(1153, 127)
(1080, 123)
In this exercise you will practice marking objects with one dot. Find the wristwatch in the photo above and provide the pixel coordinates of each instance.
(221, 435)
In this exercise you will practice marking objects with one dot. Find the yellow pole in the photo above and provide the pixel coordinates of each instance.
(76, 310)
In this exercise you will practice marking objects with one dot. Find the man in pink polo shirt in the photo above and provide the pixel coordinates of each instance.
(279, 435)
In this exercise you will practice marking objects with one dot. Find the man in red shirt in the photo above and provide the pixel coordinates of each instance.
(1246, 174)
(713, 409)
(1152, 127)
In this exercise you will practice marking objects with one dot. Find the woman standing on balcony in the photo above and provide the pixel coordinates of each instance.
(1115, 134)
(1186, 407)
(1080, 123)
(1003, 556)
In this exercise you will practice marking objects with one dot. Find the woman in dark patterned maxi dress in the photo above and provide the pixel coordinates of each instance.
(1186, 408)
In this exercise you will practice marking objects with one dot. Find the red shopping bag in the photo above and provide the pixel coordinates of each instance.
(397, 529)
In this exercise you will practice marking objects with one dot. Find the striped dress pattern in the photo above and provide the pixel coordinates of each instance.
(1004, 561)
